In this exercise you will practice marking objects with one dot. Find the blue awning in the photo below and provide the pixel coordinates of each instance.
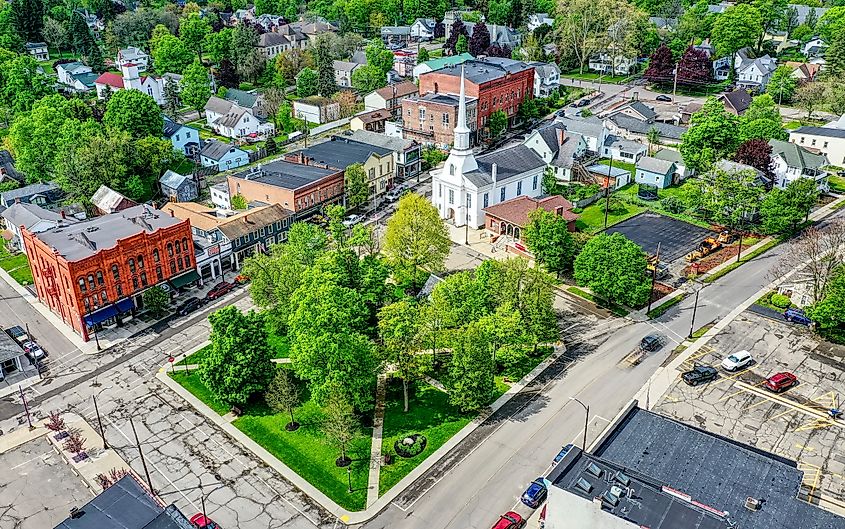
(125, 305)
(101, 315)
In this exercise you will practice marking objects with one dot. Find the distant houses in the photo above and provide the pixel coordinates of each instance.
(237, 119)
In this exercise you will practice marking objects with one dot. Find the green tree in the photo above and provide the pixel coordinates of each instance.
(713, 134)
(218, 45)
(193, 30)
(55, 33)
(243, 53)
(832, 23)
(340, 425)
(307, 83)
(399, 329)
(653, 138)
(368, 78)
(470, 380)
(238, 203)
(614, 268)
(196, 89)
(378, 56)
(782, 210)
(728, 197)
(172, 104)
(462, 46)
(762, 120)
(772, 13)
(835, 56)
(423, 56)
(134, 112)
(283, 396)
(829, 312)
(159, 32)
(28, 19)
(355, 185)
(325, 66)
(498, 123)
(547, 236)
(550, 185)
(20, 83)
(171, 55)
(156, 300)
(738, 27)
(416, 241)
(239, 363)
(781, 85)
(810, 96)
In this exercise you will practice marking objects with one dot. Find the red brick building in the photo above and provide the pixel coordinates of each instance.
(496, 83)
(510, 217)
(431, 119)
(91, 274)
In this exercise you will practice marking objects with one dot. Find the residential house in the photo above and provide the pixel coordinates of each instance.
(507, 220)
(546, 78)
(242, 16)
(430, 119)
(133, 55)
(32, 218)
(535, 20)
(609, 64)
(636, 129)
(664, 23)
(220, 196)
(14, 360)
(130, 78)
(407, 154)
(590, 128)
(754, 73)
(313, 29)
(732, 167)
(224, 156)
(94, 23)
(40, 194)
(8, 173)
(339, 153)
(272, 44)
(423, 29)
(791, 162)
(316, 109)
(804, 72)
(559, 148)
(826, 140)
(655, 172)
(404, 62)
(623, 150)
(177, 187)
(296, 38)
(372, 121)
(232, 120)
(682, 172)
(76, 77)
(504, 36)
(390, 97)
(300, 188)
(609, 177)
(270, 22)
(736, 102)
(38, 50)
(343, 72)
(396, 35)
(107, 201)
(186, 140)
(814, 47)
(686, 110)
(635, 109)
(441, 62)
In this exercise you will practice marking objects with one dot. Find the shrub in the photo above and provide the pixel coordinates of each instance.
(672, 204)
(511, 360)
(56, 423)
(780, 301)
(246, 86)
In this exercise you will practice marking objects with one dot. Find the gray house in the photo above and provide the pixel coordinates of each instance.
(654, 171)
(178, 188)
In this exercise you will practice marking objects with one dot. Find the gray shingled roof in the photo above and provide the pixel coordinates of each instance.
(232, 117)
(272, 39)
(9, 197)
(172, 179)
(638, 126)
(796, 156)
(509, 162)
(643, 109)
(340, 154)
(217, 105)
(566, 154)
(215, 149)
(490, 69)
(670, 155)
(380, 140)
(655, 165)
(27, 215)
(242, 98)
(830, 132)
(344, 66)
(590, 127)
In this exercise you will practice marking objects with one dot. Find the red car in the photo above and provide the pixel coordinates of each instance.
(219, 290)
(510, 520)
(201, 521)
(781, 381)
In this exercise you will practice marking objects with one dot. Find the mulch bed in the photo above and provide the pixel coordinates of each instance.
(660, 290)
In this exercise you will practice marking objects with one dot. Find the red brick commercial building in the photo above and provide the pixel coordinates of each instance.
(497, 84)
(297, 187)
(91, 274)
(432, 117)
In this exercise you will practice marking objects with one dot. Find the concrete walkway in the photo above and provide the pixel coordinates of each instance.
(435, 383)
(375, 447)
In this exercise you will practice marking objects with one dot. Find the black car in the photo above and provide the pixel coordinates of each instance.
(583, 103)
(652, 342)
(664, 98)
(189, 306)
(700, 374)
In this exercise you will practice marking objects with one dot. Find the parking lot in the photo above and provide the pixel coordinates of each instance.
(794, 424)
(675, 237)
(37, 487)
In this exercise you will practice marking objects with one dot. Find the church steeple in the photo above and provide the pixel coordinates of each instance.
(461, 142)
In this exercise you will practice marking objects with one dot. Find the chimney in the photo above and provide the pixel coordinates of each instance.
(494, 171)
(561, 135)
(302, 158)
(172, 213)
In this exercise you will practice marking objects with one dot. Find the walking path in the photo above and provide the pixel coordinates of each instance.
(375, 448)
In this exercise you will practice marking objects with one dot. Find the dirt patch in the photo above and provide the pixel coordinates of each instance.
(714, 259)
(660, 290)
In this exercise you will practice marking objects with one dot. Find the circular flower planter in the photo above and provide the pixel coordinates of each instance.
(410, 446)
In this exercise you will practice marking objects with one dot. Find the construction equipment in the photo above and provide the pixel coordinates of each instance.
(707, 246)
(726, 237)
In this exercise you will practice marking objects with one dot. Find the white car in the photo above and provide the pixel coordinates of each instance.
(33, 350)
(737, 361)
(352, 220)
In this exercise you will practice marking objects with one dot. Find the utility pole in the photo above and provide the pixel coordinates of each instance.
(26, 408)
(653, 277)
(694, 309)
(143, 461)
(675, 84)
(100, 422)
(586, 421)
(607, 191)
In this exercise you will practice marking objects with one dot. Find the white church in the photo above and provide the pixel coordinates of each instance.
(131, 78)
(467, 184)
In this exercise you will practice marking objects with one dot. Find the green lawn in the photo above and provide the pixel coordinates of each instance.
(310, 454)
(591, 218)
(194, 385)
(593, 76)
(183, 166)
(196, 357)
(656, 206)
(429, 414)
(16, 265)
(837, 183)
(619, 311)
(663, 307)
(631, 168)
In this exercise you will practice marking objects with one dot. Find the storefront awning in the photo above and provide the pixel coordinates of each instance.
(125, 305)
(101, 315)
(184, 279)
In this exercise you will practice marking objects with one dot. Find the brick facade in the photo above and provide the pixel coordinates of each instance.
(327, 190)
(432, 119)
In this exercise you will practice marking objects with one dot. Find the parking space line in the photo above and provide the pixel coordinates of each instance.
(740, 391)
(764, 401)
(779, 415)
(815, 424)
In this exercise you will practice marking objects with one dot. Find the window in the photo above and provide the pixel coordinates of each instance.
(178, 248)
(439, 190)
(502, 195)
(813, 142)
(91, 282)
(170, 249)
(187, 260)
(155, 255)
(177, 137)
(451, 196)
(172, 266)
(115, 272)
(452, 169)
(159, 275)
(143, 279)
(82, 287)
(179, 262)
(534, 183)
(519, 188)
(184, 244)
(469, 201)
(422, 114)
(445, 119)
(100, 280)
(104, 297)
(119, 289)
(486, 199)
(131, 266)
(141, 262)
(802, 140)
(87, 305)
(825, 145)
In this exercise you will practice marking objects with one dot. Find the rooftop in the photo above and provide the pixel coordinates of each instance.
(639, 126)
(340, 153)
(655, 165)
(797, 156)
(173, 179)
(402, 89)
(287, 175)
(510, 162)
(670, 155)
(444, 99)
(115, 80)
(830, 132)
(485, 71)
(9, 348)
(216, 149)
(442, 62)
(24, 193)
(253, 220)
(27, 215)
(107, 199)
(380, 140)
(606, 170)
(241, 97)
(739, 100)
(517, 209)
(84, 239)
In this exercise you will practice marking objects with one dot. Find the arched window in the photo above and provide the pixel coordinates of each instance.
(172, 267)
(155, 254)
(104, 297)
(131, 266)
(141, 262)
(170, 249)
(178, 248)
(115, 272)
(143, 279)
(91, 284)
(100, 280)
(82, 287)
(184, 244)
(187, 259)
(87, 305)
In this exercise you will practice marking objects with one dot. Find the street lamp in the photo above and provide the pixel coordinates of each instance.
(586, 420)
(695, 308)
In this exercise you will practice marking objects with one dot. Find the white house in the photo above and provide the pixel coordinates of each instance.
(671, 155)
(791, 162)
(612, 65)
(220, 196)
(229, 119)
(343, 72)
(466, 184)
(591, 129)
(829, 140)
(131, 79)
(76, 77)
(546, 78)
(316, 109)
(33, 218)
(539, 19)
(133, 55)
(755, 73)
(224, 156)
(423, 29)
(622, 150)
(814, 47)
(559, 148)
(38, 50)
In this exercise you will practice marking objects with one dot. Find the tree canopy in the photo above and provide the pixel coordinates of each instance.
(416, 241)
(614, 268)
(713, 134)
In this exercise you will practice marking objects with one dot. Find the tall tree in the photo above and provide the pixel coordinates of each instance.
(218, 45)
(192, 30)
(782, 210)
(379, 56)
(325, 66)
(196, 89)
(134, 112)
(781, 85)
(762, 120)
(416, 241)
(695, 67)
(462, 46)
(772, 13)
(172, 103)
(498, 123)
(809, 97)
(368, 78)
(547, 236)
(244, 42)
(238, 365)
(758, 154)
(171, 55)
(21, 85)
(831, 23)
(283, 396)
(614, 267)
(713, 134)
(480, 39)
(736, 28)
(470, 381)
(829, 311)
(729, 197)
(399, 328)
(422, 56)
(307, 83)
(835, 56)
(355, 185)
(55, 33)
(661, 65)
(28, 18)
(455, 32)
(340, 425)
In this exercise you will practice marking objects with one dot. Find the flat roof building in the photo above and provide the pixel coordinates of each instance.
(296, 187)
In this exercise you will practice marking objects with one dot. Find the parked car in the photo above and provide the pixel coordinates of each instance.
(797, 315)
(560, 455)
(583, 103)
(664, 98)
(189, 306)
(510, 520)
(652, 342)
(535, 494)
(18, 334)
(352, 220)
(201, 521)
(319, 220)
(781, 381)
(737, 361)
(394, 194)
(219, 290)
(33, 351)
(699, 374)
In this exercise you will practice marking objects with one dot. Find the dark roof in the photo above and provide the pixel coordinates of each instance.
(340, 153)
(287, 175)
(550, 135)
(216, 149)
(7, 163)
(814, 131)
(242, 98)
(517, 209)
(25, 193)
(170, 127)
(639, 126)
(272, 39)
(125, 505)
(716, 471)
(443, 99)
(739, 99)
(509, 162)
(9, 348)
(643, 110)
(252, 221)
(483, 71)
